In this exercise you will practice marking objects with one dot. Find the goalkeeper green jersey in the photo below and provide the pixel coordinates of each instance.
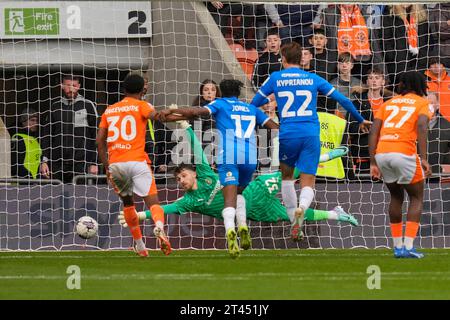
(260, 195)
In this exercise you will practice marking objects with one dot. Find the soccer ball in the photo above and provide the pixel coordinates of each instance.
(86, 227)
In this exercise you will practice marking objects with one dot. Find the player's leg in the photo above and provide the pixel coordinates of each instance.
(121, 179)
(395, 217)
(145, 187)
(245, 176)
(415, 194)
(288, 155)
(307, 162)
(229, 178)
(338, 214)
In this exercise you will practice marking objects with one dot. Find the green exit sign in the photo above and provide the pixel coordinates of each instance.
(31, 21)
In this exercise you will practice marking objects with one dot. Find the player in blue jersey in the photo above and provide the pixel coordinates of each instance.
(295, 91)
(237, 158)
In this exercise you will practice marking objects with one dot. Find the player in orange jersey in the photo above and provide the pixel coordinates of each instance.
(398, 124)
(121, 143)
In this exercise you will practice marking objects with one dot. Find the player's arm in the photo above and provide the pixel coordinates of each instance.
(373, 143)
(263, 120)
(102, 135)
(422, 136)
(262, 95)
(170, 115)
(328, 90)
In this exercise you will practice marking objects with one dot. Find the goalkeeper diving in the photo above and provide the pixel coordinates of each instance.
(203, 194)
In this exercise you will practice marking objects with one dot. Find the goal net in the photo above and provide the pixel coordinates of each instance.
(177, 45)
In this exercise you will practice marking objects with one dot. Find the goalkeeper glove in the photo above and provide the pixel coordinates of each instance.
(141, 215)
(183, 123)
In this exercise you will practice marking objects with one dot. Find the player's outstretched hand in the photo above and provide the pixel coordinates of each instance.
(426, 168)
(375, 172)
(183, 123)
(365, 126)
(121, 217)
(161, 115)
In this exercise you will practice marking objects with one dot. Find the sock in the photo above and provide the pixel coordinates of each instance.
(316, 215)
(241, 215)
(289, 196)
(228, 215)
(410, 233)
(140, 246)
(306, 197)
(396, 232)
(157, 215)
(133, 222)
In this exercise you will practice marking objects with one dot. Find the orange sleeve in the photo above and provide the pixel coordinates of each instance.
(433, 86)
(146, 109)
(103, 122)
(426, 110)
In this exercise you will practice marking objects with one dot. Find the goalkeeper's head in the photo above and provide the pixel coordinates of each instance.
(186, 176)
(133, 84)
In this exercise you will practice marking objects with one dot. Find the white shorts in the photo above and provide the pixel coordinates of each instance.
(132, 177)
(400, 168)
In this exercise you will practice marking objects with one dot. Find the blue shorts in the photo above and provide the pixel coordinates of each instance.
(234, 174)
(302, 153)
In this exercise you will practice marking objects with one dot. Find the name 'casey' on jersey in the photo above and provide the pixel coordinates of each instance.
(236, 121)
(296, 93)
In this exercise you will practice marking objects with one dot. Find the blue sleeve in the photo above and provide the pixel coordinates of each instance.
(261, 117)
(347, 104)
(213, 107)
(327, 89)
(261, 97)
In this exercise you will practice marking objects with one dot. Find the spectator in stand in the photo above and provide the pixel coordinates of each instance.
(270, 60)
(27, 160)
(305, 61)
(325, 61)
(246, 56)
(438, 80)
(345, 83)
(367, 103)
(407, 40)
(295, 21)
(440, 26)
(223, 11)
(209, 91)
(438, 137)
(69, 130)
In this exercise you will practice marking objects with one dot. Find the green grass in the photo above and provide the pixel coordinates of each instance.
(257, 274)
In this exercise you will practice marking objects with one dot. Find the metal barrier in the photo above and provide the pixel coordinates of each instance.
(29, 181)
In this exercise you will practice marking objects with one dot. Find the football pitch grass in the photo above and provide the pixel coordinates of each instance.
(212, 274)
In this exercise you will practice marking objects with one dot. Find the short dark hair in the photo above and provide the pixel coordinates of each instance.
(376, 70)
(230, 88)
(181, 167)
(412, 81)
(28, 114)
(70, 77)
(435, 60)
(345, 57)
(318, 31)
(292, 52)
(273, 32)
(133, 83)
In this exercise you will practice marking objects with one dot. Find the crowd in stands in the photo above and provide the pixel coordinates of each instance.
(359, 49)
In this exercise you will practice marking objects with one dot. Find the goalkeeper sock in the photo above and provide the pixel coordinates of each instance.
(228, 215)
(316, 215)
(410, 234)
(306, 197)
(289, 196)
(241, 216)
(396, 232)
(133, 222)
(157, 215)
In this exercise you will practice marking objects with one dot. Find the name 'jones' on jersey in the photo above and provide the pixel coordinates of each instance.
(296, 94)
(236, 122)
